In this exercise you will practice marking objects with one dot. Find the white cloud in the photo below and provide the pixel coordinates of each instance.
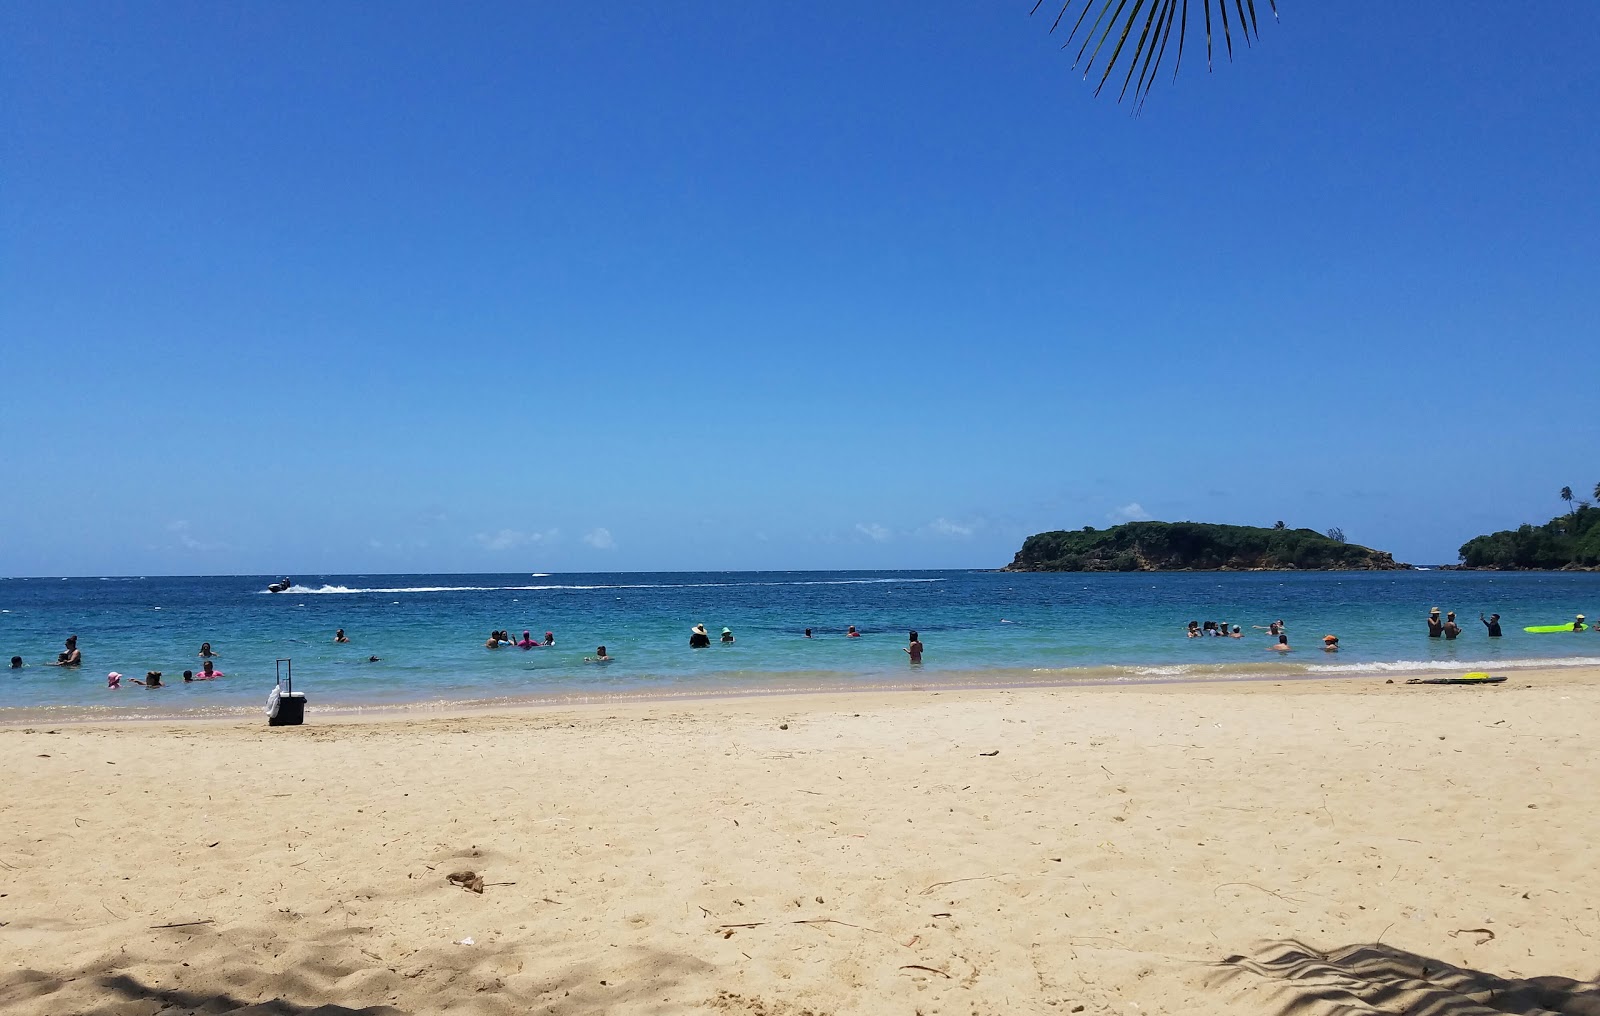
(510, 539)
(873, 531)
(1133, 511)
(600, 539)
(954, 530)
(186, 538)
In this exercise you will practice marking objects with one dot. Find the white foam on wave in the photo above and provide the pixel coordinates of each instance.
(1408, 666)
(328, 590)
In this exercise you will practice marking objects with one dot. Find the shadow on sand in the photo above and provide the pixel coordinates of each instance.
(1377, 978)
(241, 984)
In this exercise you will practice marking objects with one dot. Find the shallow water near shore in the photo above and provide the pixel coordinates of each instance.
(980, 628)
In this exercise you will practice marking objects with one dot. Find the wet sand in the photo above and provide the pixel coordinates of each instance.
(1191, 848)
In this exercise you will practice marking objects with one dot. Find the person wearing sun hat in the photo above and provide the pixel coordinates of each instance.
(698, 639)
(1435, 626)
(727, 635)
(1330, 643)
(1578, 625)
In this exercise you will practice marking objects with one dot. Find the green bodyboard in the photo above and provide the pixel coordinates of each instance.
(1540, 629)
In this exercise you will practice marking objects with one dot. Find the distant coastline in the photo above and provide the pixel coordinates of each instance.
(1569, 542)
(1195, 546)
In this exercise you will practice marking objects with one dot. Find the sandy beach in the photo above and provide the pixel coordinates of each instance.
(1316, 847)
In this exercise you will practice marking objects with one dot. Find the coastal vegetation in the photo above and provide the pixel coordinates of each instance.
(1195, 546)
(1568, 541)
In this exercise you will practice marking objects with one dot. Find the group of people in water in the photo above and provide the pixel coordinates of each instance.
(71, 656)
(503, 638)
(1448, 629)
(1277, 631)
(152, 678)
(1439, 626)
(699, 638)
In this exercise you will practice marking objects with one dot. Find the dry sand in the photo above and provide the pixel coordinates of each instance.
(1179, 850)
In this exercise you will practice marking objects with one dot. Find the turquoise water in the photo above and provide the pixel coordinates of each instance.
(978, 627)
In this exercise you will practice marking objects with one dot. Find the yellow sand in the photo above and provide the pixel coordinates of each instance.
(1127, 851)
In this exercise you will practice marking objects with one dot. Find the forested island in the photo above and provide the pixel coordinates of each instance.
(1568, 542)
(1195, 546)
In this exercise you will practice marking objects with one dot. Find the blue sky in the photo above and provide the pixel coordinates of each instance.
(550, 287)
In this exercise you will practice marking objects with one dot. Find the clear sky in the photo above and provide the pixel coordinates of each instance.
(303, 287)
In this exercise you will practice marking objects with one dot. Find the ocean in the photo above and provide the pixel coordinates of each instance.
(979, 627)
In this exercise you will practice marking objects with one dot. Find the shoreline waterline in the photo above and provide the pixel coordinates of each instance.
(713, 697)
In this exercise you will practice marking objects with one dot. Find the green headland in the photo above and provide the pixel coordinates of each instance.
(1195, 546)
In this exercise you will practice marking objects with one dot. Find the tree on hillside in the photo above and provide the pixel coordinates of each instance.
(1597, 492)
(1336, 534)
(1566, 495)
(1279, 525)
(1149, 23)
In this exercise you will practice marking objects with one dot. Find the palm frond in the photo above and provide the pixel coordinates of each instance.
(1149, 25)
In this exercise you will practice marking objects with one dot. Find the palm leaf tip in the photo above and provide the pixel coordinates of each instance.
(1148, 25)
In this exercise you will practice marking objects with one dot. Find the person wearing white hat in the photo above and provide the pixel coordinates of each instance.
(727, 635)
(1435, 626)
(1578, 624)
(698, 639)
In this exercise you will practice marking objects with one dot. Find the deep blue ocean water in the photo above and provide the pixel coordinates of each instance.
(978, 627)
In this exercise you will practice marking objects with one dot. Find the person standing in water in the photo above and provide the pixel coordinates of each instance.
(1435, 626)
(339, 636)
(1451, 629)
(70, 657)
(1492, 622)
(1281, 646)
(914, 649)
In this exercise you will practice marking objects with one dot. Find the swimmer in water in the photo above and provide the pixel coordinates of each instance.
(1435, 626)
(808, 633)
(152, 679)
(1492, 622)
(1330, 643)
(205, 650)
(1237, 633)
(493, 641)
(16, 663)
(372, 659)
(598, 657)
(527, 641)
(1193, 630)
(914, 649)
(549, 638)
(727, 635)
(208, 672)
(339, 636)
(851, 633)
(1281, 646)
